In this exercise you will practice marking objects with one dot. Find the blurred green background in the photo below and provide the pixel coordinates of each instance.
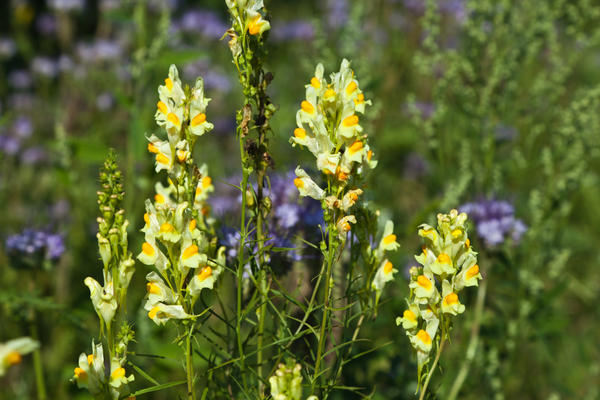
(492, 105)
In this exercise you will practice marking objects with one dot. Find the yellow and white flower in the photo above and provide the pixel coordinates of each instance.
(422, 341)
(328, 163)
(157, 291)
(442, 265)
(384, 274)
(190, 256)
(90, 371)
(12, 352)
(160, 313)
(469, 276)
(424, 288)
(151, 254)
(450, 302)
(350, 198)
(306, 186)
(198, 123)
(410, 318)
(205, 186)
(388, 239)
(343, 226)
(118, 381)
(103, 298)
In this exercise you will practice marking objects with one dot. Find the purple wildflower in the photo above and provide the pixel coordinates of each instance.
(22, 128)
(290, 216)
(66, 5)
(203, 22)
(337, 13)
(495, 221)
(9, 145)
(31, 247)
(33, 155)
(7, 47)
(19, 79)
(46, 24)
(105, 101)
(44, 66)
(293, 30)
(415, 166)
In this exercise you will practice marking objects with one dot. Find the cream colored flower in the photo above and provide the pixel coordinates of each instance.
(103, 298)
(12, 352)
(306, 186)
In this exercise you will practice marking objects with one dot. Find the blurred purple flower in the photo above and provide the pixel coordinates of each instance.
(44, 66)
(9, 144)
(337, 13)
(422, 108)
(98, 51)
(46, 24)
(22, 128)
(19, 79)
(290, 215)
(109, 5)
(60, 210)
(213, 79)
(32, 242)
(8, 48)
(415, 166)
(203, 22)
(33, 155)
(292, 30)
(65, 63)
(105, 101)
(21, 101)
(495, 221)
(455, 8)
(505, 132)
(66, 5)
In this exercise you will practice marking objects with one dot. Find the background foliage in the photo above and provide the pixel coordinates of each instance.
(473, 100)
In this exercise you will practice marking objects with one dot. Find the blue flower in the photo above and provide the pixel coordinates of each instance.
(32, 247)
(495, 221)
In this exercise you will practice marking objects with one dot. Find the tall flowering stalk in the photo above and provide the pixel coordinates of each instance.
(109, 380)
(448, 265)
(328, 125)
(247, 36)
(179, 239)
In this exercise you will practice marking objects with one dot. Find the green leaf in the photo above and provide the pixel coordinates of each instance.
(157, 388)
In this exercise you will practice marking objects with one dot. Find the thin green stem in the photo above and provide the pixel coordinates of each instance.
(473, 342)
(37, 363)
(240, 270)
(432, 370)
(189, 364)
(326, 297)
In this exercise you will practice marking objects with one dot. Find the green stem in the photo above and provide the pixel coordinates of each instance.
(240, 269)
(473, 342)
(189, 363)
(432, 370)
(326, 298)
(37, 363)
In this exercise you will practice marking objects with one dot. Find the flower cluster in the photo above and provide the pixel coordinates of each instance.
(328, 126)
(385, 270)
(178, 232)
(247, 15)
(449, 261)
(495, 221)
(32, 247)
(91, 374)
(109, 381)
(290, 216)
(12, 352)
(286, 383)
